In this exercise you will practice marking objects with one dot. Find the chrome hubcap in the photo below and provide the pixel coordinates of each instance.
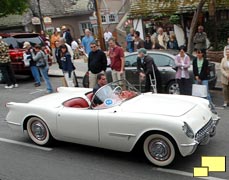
(38, 130)
(174, 89)
(159, 150)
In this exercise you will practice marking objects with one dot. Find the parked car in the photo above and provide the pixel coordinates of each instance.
(165, 61)
(124, 119)
(15, 42)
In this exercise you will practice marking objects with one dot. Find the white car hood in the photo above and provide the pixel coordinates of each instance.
(159, 104)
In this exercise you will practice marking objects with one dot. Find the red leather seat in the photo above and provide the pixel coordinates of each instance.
(76, 103)
(90, 95)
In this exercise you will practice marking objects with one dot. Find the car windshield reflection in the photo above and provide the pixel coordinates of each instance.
(114, 94)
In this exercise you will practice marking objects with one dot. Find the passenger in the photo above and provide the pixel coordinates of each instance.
(101, 81)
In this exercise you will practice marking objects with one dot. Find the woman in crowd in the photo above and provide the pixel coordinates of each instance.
(182, 62)
(172, 43)
(224, 67)
(42, 64)
(201, 70)
(67, 65)
(148, 43)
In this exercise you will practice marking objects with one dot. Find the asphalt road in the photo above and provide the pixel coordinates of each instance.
(20, 159)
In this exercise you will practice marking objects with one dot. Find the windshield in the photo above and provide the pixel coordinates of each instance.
(17, 42)
(114, 94)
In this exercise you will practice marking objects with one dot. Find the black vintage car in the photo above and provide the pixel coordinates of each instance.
(165, 61)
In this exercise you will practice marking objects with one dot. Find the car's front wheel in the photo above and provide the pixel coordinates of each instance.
(38, 131)
(159, 150)
(173, 88)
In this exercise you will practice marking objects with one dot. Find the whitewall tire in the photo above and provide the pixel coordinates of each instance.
(38, 131)
(159, 150)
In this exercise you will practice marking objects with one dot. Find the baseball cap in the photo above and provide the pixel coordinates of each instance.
(26, 44)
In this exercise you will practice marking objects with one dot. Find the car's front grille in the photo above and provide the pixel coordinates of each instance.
(202, 132)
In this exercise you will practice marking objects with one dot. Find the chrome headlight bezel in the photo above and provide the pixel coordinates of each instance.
(188, 131)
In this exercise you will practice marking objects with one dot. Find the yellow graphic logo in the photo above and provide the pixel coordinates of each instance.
(210, 164)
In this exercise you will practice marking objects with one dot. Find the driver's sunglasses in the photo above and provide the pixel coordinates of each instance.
(93, 47)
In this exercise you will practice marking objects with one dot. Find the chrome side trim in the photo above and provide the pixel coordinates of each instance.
(122, 135)
(13, 123)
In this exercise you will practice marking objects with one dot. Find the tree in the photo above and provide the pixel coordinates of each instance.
(150, 8)
(194, 25)
(8, 7)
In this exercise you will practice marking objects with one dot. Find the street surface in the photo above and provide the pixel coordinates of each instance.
(20, 159)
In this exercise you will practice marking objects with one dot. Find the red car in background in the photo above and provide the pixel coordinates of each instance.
(15, 42)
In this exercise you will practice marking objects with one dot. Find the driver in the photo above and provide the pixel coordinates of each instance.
(101, 81)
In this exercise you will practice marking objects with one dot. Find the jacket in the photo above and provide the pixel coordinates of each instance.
(147, 65)
(199, 40)
(4, 54)
(67, 65)
(224, 67)
(97, 61)
(181, 67)
(203, 75)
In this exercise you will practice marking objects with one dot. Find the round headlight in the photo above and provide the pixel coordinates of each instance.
(188, 130)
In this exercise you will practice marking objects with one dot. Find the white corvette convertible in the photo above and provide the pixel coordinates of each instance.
(118, 117)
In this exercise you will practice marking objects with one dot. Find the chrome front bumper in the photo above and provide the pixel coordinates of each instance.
(203, 136)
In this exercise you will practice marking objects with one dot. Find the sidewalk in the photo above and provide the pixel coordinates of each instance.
(81, 69)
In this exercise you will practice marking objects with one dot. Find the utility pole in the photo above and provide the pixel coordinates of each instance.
(40, 16)
(99, 24)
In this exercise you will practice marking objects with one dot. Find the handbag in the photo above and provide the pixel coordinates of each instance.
(26, 59)
(199, 90)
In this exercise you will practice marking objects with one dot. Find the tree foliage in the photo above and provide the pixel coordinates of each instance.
(8, 7)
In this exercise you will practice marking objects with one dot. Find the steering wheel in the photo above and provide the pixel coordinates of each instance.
(117, 90)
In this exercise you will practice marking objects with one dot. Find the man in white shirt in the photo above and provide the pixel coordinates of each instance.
(162, 38)
(107, 35)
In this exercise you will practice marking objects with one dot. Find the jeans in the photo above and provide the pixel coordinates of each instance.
(36, 74)
(205, 82)
(44, 73)
(8, 74)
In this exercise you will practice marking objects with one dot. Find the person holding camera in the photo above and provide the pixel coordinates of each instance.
(42, 63)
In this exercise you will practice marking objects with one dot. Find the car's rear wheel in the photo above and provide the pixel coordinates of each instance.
(38, 131)
(173, 88)
(159, 149)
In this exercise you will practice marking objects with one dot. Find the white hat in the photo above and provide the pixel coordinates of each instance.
(26, 44)
(58, 29)
(63, 27)
(0, 37)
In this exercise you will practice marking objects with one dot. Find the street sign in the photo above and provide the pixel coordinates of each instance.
(36, 21)
(93, 20)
